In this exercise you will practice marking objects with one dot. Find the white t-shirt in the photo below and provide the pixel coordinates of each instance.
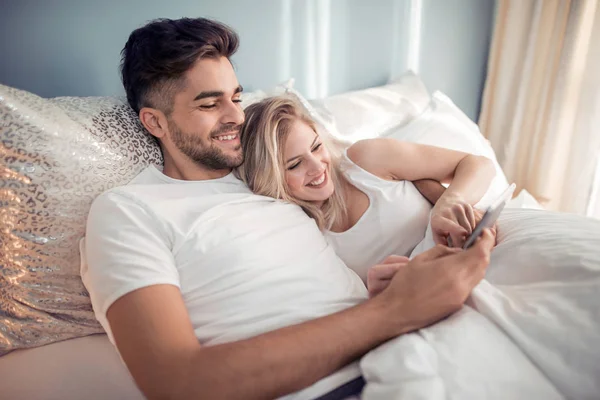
(245, 264)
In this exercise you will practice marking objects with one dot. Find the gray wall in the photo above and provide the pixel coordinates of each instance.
(455, 41)
(71, 47)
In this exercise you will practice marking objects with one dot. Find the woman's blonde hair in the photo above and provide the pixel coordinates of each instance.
(263, 136)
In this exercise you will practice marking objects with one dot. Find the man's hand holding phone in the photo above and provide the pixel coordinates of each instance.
(435, 283)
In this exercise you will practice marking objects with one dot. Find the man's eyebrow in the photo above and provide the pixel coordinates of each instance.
(311, 146)
(217, 93)
(204, 95)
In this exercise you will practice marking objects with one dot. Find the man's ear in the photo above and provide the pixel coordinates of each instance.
(154, 121)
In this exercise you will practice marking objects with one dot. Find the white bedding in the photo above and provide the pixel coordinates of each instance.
(531, 330)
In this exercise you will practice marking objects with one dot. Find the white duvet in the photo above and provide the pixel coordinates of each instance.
(531, 330)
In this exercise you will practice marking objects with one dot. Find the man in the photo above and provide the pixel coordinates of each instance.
(209, 291)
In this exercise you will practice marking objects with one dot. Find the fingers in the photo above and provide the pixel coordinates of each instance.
(377, 286)
(475, 260)
(460, 214)
(458, 239)
(444, 227)
(478, 215)
(440, 239)
(458, 234)
(394, 259)
(383, 271)
(471, 217)
(379, 276)
(494, 232)
(482, 246)
(437, 252)
(487, 240)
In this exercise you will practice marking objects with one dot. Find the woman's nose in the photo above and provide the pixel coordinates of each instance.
(316, 168)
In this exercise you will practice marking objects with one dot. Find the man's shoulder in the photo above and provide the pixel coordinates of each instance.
(116, 200)
(136, 193)
(151, 175)
(154, 193)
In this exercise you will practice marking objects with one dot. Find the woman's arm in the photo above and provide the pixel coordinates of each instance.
(469, 177)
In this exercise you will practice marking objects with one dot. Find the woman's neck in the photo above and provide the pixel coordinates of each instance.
(344, 220)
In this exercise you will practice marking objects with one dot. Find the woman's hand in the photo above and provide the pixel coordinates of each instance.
(453, 220)
(380, 275)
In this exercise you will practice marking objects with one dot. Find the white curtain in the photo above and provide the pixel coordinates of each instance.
(541, 105)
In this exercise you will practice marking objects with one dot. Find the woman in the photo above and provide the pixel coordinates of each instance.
(361, 196)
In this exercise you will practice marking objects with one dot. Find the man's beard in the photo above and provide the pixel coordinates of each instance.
(203, 152)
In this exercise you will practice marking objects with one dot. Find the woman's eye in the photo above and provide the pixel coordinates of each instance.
(317, 147)
(293, 166)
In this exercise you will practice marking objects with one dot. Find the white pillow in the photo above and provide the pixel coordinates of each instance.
(524, 200)
(360, 114)
(443, 124)
(318, 114)
(249, 98)
(371, 112)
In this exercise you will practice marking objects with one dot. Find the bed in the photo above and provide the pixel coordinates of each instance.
(530, 330)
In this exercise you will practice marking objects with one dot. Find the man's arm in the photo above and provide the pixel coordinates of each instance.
(154, 335)
(431, 189)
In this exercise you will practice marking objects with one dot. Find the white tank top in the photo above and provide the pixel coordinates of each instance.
(394, 222)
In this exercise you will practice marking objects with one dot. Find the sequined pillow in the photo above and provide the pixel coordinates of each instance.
(56, 156)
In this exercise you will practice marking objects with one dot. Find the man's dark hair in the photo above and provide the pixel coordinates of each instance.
(157, 55)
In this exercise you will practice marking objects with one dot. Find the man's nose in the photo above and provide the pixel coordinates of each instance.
(233, 114)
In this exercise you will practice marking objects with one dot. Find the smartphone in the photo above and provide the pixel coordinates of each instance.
(490, 216)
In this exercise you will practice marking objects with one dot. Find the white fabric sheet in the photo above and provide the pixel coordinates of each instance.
(531, 329)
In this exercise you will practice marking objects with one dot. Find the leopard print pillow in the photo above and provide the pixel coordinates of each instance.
(56, 156)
